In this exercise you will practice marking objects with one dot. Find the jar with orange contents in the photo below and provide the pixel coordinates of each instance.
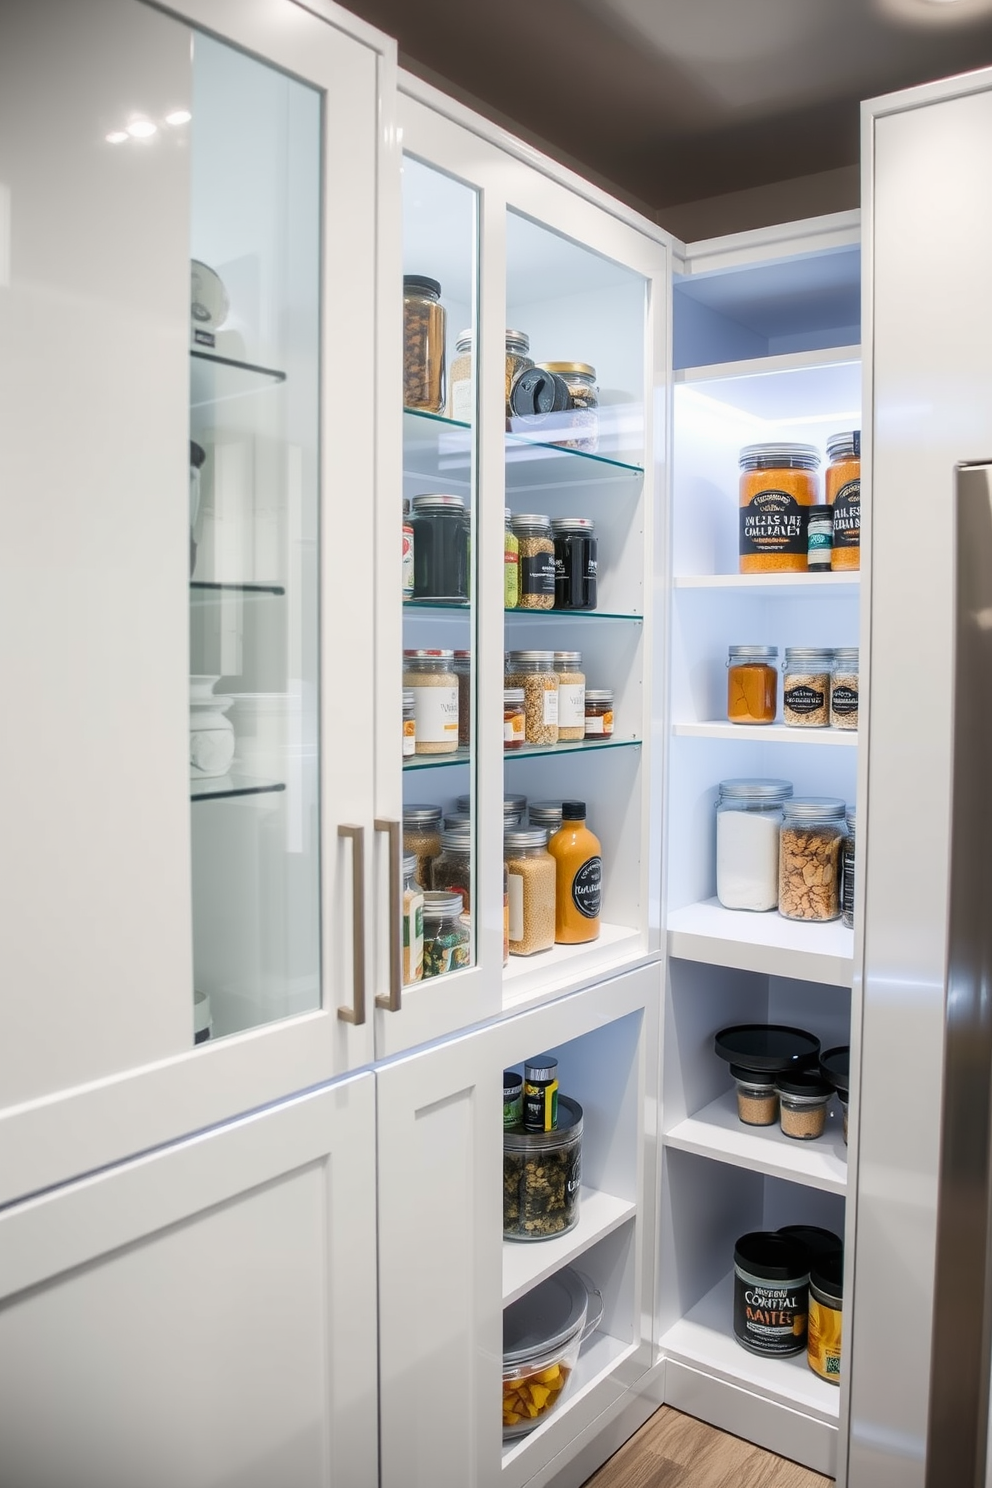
(752, 684)
(778, 485)
(843, 492)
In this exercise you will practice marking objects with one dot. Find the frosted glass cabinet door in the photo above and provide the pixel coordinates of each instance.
(186, 565)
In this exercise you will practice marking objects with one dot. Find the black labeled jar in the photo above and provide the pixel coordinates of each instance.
(537, 561)
(771, 1294)
(576, 563)
(440, 549)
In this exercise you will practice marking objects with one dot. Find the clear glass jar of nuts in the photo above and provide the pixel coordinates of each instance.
(430, 676)
(531, 870)
(811, 840)
(537, 561)
(571, 695)
(806, 687)
(534, 671)
(423, 344)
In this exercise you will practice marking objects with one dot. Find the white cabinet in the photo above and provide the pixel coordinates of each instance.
(203, 1314)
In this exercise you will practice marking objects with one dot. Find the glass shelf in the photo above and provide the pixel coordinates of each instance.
(529, 751)
(215, 379)
(440, 447)
(414, 607)
(204, 589)
(222, 787)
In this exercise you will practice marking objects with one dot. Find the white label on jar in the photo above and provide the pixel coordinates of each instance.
(463, 400)
(599, 723)
(409, 737)
(436, 710)
(551, 706)
(747, 848)
(513, 729)
(516, 906)
(571, 704)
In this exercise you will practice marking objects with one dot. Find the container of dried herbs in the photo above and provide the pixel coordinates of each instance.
(541, 1177)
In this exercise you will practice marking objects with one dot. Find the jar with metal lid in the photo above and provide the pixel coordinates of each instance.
(844, 690)
(580, 424)
(571, 695)
(599, 712)
(810, 842)
(531, 871)
(752, 684)
(545, 814)
(847, 869)
(440, 525)
(462, 400)
(537, 561)
(423, 344)
(576, 563)
(806, 686)
(514, 718)
(748, 821)
(843, 492)
(447, 939)
(534, 671)
(463, 672)
(407, 551)
(413, 922)
(803, 1098)
(409, 724)
(422, 839)
(430, 676)
(826, 1306)
(819, 538)
(778, 485)
(511, 563)
(514, 805)
(453, 868)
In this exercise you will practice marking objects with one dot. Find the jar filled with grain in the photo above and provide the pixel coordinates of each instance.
(423, 344)
(461, 404)
(514, 719)
(844, 691)
(545, 814)
(757, 1096)
(778, 485)
(599, 712)
(537, 561)
(453, 867)
(803, 1098)
(463, 672)
(430, 676)
(752, 684)
(511, 563)
(447, 938)
(413, 923)
(571, 695)
(409, 724)
(531, 870)
(811, 839)
(843, 492)
(580, 423)
(422, 839)
(806, 686)
(534, 671)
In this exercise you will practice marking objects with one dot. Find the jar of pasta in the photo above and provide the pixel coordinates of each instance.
(843, 492)
(752, 684)
(571, 695)
(423, 344)
(430, 676)
(778, 485)
(534, 671)
(537, 561)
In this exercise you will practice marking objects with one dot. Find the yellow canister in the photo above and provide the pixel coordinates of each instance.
(826, 1292)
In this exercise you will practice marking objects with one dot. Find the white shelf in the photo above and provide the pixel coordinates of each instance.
(769, 733)
(717, 1132)
(525, 1263)
(762, 942)
(771, 586)
(793, 361)
(809, 388)
(704, 1339)
(552, 973)
(600, 1356)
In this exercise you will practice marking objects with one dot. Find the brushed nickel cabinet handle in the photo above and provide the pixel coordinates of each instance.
(356, 1013)
(394, 1001)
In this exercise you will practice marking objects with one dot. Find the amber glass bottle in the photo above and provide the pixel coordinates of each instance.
(578, 877)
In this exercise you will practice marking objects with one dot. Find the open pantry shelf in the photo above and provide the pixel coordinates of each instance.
(786, 388)
(716, 1132)
(762, 942)
(525, 1264)
(222, 787)
(550, 973)
(599, 1357)
(770, 733)
(216, 379)
(770, 586)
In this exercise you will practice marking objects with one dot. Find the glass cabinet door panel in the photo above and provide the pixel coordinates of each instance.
(255, 245)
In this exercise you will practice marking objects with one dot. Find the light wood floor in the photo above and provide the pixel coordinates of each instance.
(676, 1451)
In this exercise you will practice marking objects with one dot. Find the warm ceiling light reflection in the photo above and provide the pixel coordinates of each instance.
(116, 137)
(178, 116)
(142, 128)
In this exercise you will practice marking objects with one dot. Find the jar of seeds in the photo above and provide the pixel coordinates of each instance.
(545, 814)
(757, 1096)
(447, 939)
(430, 676)
(531, 870)
(542, 1174)
(803, 1099)
(571, 695)
(537, 561)
(534, 671)
(422, 839)
(806, 687)
(423, 344)
(453, 867)
(844, 688)
(809, 870)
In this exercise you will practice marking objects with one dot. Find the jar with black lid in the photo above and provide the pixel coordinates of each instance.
(771, 1294)
(538, 397)
(423, 344)
(440, 525)
(826, 1306)
(576, 563)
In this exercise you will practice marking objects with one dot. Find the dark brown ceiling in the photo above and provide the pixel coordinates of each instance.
(673, 101)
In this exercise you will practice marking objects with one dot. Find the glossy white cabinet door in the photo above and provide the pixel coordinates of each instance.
(202, 1316)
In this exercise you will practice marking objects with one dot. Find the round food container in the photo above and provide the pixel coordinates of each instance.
(835, 1067)
(803, 1098)
(541, 1176)
(767, 1046)
(757, 1096)
(542, 1334)
(817, 1240)
(771, 1291)
(826, 1306)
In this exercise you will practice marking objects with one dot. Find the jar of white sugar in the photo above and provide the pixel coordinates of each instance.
(748, 817)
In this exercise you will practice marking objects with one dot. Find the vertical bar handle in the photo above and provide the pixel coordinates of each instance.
(356, 1013)
(394, 1001)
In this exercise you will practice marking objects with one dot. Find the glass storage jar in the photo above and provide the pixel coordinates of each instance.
(826, 1309)
(461, 404)
(757, 1096)
(537, 561)
(810, 842)
(844, 690)
(463, 672)
(531, 870)
(422, 839)
(430, 676)
(571, 695)
(806, 686)
(542, 1334)
(447, 939)
(537, 1205)
(534, 671)
(748, 822)
(409, 724)
(599, 712)
(580, 424)
(576, 563)
(413, 923)
(514, 810)
(545, 814)
(819, 539)
(452, 870)
(778, 485)
(514, 719)
(843, 492)
(803, 1098)
(752, 684)
(423, 344)
(440, 525)
(511, 563)
(847, 868)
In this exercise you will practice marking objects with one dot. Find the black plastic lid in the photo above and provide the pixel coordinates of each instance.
(835, 1066)
(772, 1257)
(512, 1081)
(538, 391)
(827, 1273)
(197, 454)
(767, 1046)
(421, 282)
(573, 811)
(820, 511)
(804, 1082)
(754, 1077)
(817, 1240)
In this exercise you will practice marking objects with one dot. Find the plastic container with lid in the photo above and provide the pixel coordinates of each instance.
(844, 688)
(778, 485)
(826, 1306)
(806, 686)
(534, 671)
(579, 425)
(447, 938)
(843, 492)
(599, 712)
(538, 1205)
(452, 869)
(440, 525)
(413, 922)
(757, 1096)
(576, 563)
(835, 1067)
(531, 888)
(752, 684)
(542, 1334)
(571, 695)
(748, 822)
(803, 1098)
(430, 676)
(423, 344)
(809, 870)
(771, 1293)
(537, 560)
(422, 838)
(774, 1047)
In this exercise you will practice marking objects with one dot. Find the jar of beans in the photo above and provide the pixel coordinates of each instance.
(534, 671)
(423, 344)
(430, 676)
(422, 839)
(531, 870)
(537, 561)
(571, 695)
(806, 686)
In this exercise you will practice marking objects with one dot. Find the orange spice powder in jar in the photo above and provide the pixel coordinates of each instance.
(843, 492)
(778, 485)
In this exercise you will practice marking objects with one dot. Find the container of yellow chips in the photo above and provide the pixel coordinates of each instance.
(542, 1334)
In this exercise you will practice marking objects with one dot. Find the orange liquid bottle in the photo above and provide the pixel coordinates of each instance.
(578, 877)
